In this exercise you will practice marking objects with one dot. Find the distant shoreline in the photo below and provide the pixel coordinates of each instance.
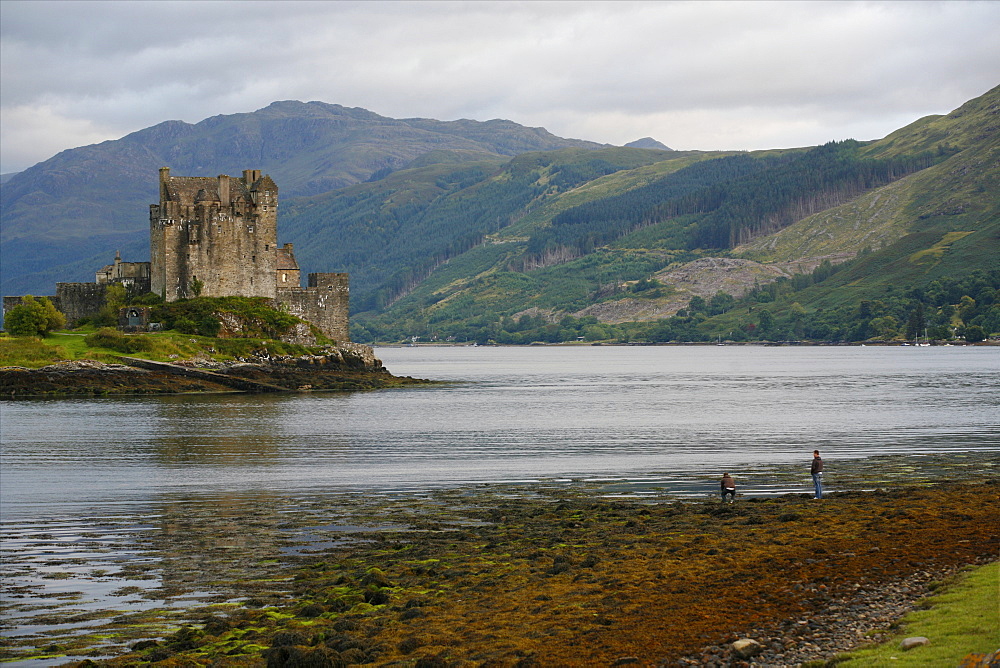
(82, 378)
(761, 344)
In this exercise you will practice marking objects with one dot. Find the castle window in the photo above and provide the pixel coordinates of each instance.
(250, 229)
(284, 278)
(253, 258)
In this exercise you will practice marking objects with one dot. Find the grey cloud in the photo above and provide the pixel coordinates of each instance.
(614, 71)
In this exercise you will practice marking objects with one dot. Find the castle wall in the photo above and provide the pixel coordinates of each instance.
(325, 303)
(79, 300)
(287, 274)
(133, 275)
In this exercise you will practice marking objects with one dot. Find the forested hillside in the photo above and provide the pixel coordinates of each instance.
(847, 241)
(391, 234)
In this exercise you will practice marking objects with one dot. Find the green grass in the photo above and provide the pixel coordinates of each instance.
(29, 351)
(964, 618)
(166, 346)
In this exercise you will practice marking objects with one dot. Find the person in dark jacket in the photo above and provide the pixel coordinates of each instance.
(728, 488)
(817, 473)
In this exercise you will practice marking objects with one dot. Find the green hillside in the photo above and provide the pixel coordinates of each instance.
(837, 237)
(391, 234)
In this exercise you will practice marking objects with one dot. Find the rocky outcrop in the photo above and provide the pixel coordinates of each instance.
(709, 275)
(346, 367)
(91, 378)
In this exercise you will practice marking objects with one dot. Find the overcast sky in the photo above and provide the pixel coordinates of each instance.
(694, 75)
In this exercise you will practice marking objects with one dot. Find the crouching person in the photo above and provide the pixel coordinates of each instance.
(728, 488)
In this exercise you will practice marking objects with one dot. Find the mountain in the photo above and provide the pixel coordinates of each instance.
(831, 239)
(392, 233)
(491, 231)
(648, 142)
(84, 203)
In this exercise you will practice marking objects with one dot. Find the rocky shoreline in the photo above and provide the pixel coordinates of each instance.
(862, 618)
(341, 368)
(563, 576)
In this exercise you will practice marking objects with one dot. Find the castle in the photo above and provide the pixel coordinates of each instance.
(216, 237)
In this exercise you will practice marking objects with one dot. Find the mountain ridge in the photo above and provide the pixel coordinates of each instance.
(938, 223)
(307, 147)
(463, 239)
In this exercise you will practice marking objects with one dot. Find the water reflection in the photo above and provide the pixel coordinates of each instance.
(522, 414)
(214, 431)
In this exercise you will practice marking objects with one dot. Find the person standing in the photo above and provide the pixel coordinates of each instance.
(728, 488)
(817, 473)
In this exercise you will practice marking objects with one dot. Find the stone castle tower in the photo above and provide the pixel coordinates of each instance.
(218, 237)
(215, 236)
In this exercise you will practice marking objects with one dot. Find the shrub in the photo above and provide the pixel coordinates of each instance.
(209, 325)
(33, 317)
(201, 316)
(185, 325)
(112, 339)
(105, 337)
(148, 299)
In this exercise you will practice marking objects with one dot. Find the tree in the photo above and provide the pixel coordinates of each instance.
(916, 323)
(885, 327)
(974, 334)
(196, 286)
(966, 308)
(721, 302)
(766, 321)
(33, 317)
(54, 318)
(940, 333)
(115, 297)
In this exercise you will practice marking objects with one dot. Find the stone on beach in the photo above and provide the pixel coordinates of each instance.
(747, 647)
(910, 643)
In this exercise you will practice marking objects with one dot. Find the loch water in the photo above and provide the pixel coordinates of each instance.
(669, 418)
(506, 414)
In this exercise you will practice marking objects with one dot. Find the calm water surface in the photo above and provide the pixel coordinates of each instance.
(126, 504)
(512, 414)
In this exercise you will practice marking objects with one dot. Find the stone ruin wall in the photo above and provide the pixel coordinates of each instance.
(325, 303)
(74, 300)
(80, 300)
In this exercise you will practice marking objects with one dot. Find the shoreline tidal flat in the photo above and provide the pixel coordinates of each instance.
(543, 576)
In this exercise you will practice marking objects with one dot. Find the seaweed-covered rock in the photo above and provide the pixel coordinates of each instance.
(747, 647)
